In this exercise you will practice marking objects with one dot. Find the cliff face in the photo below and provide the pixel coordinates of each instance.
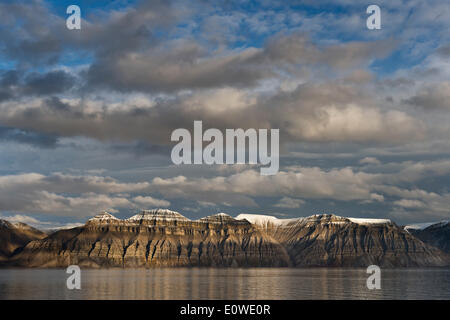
(157, 238)
(14, 236)
(163, 238)
(436, 235)
(328, 240)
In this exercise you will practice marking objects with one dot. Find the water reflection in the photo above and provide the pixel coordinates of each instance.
(261, 283)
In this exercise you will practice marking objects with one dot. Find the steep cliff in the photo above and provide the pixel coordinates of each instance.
(156, 238)
(329, 240)
(14, 236)
(436, 235)
(164, 238)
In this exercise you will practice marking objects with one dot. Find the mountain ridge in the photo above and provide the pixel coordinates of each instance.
(165, 238)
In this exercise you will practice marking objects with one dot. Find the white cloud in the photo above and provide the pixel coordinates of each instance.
(407, 203)
(370, 160)
(289, 203)
(150, 201)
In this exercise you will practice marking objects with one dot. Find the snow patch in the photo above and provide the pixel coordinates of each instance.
(263, 220)
(369, 221)
(423, 226)
(158, 214)
(217, 218)
(103, 217)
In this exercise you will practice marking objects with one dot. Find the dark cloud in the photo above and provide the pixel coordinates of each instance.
(444, 51)
(9, 78)
(181, 65)
(38, 40)
(318, 113)
(42, 37)
(128, 56)
(49, 83)
(15, 84)
(436, 96)
(29, 137)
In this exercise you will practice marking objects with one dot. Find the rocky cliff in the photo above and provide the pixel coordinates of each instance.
(329, 240)
(164, 238)
(436, 235)
(14, 236)
(156, 238)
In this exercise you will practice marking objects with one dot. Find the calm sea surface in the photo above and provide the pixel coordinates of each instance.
(323, 283)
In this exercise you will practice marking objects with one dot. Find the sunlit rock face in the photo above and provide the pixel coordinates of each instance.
(164, 238)
(157, 238)
(13, 236)
(329, 240)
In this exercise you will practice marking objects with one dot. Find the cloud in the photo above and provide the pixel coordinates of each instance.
(27, 136)
(61, 194)
(42, 37)
(370, 160)
(289, 203)
(42, 225)
(143, 61)
(137, 72)
(313, 183)
(444, 51)
(393, 184)
(317, 113)
(150, 201)
(21, 218)
(49, 83)
(407, 203)
(436, 96)
(19, 84)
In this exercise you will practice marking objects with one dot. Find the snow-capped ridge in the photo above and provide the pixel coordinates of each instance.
(369, 221)
(425, 225)
(158, 214)
(266, 220)
(221, 217)
(23, 226)
(103, 217)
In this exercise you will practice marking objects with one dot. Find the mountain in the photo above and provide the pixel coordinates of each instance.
(156, 238)
(434, 234)
(14, 236)
(165, 238)
(329, 240)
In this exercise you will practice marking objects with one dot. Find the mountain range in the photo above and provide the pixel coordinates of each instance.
(165, 238)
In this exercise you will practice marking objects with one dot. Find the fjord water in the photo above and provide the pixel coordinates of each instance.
(216, 283)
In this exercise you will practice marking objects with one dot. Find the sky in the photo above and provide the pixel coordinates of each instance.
(86, 115)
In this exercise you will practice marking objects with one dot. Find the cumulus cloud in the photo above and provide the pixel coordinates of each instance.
(408, 203)
(340, 184)
(327, 112)
(138, 72)
(150, 201)
(187, 65)
(61, 194)
(289, 203)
